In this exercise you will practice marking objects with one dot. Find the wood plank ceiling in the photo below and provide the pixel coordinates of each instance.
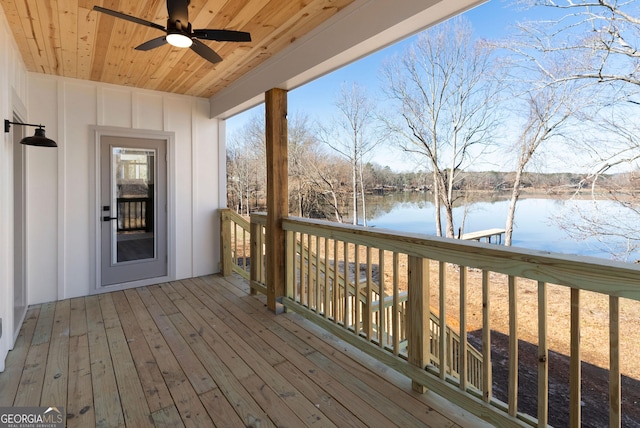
(68, 38)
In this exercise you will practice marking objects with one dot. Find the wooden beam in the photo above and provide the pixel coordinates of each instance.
(277, 192)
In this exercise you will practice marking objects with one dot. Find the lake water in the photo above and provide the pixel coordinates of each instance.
(536, 224)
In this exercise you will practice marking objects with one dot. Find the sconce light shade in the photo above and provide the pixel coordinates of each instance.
(39, 139)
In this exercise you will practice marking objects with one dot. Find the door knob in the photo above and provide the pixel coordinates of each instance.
(107, 218)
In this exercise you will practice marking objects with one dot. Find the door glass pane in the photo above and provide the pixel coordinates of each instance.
(133, 197)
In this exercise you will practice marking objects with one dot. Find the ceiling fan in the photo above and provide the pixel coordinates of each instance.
(179, 33)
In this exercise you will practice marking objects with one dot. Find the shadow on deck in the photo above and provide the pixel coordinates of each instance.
(202, 352)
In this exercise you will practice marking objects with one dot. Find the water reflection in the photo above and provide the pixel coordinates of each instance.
(536, 225)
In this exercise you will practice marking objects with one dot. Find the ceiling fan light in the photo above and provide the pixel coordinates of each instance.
(179, 40)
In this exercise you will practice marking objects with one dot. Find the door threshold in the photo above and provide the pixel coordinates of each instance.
(132, 284)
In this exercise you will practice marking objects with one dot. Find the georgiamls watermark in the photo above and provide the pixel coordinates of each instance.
(32, 417)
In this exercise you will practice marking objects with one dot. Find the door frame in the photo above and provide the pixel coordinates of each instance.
(19, 259)
(169, 137)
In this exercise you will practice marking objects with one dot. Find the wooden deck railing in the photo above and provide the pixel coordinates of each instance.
(239, 241)
(133, 214)
(419, 274)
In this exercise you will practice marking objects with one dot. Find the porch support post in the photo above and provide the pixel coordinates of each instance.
(419, 308)
(277, 192)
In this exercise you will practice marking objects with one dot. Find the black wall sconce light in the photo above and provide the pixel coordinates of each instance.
(39, 139)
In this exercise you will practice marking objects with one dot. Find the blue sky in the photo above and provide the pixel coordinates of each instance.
(492, 20)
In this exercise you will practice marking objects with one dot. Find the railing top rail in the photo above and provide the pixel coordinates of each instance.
(586, 273)
(229, 214)
(259, 218)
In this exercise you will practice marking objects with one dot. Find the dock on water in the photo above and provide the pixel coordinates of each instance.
(486, 235)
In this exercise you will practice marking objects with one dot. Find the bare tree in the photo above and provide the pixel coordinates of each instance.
(550, 107)
(303, 148)
(603, 37)
(446, 92)
(329, 173)
(352, 135)
(246, 173)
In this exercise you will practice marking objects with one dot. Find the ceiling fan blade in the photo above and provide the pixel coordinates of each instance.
(129, 18)
(223, 35)
(205, 51)
(152, 44)
(179, 11)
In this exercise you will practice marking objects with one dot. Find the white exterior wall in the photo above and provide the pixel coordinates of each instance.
(61, 242)
(13, 90)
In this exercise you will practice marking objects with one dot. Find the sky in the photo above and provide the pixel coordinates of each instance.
(316, 100)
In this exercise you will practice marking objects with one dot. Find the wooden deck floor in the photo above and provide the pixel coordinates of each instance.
(201, 352)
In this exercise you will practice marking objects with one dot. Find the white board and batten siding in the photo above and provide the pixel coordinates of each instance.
(61, 192)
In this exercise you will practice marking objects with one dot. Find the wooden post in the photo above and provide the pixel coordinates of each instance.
(419, 315)
(277, 192)
(225, 243)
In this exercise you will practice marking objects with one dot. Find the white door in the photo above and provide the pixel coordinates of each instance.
(133, 210)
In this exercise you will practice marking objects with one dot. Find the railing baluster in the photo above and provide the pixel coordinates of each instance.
(442, 344)
(575, 376)
(396, 303)
(318, 301)
(262, 261)
(513, 347)
(336, 284)
(356, 281)
(327, 290)
(255, 252)
(346, 310)
(298, 269)
(244, 249)
(614, 363)
(291, 264)
(368, 320)
(543, 357)
(463, 328)
(383, 336)
(235, 244)
(487, 378)
(304, 287)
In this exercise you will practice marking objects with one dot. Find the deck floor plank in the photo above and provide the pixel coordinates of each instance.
(54, 391)
(156, 391)
(78, 317)
(16, 359)
(339, 414)
(324, 342)
(45, 324)
(299, 357)
(188, 360)
(108, 408)
(32, 379)
(134, 403)
(169, 417)
(252, 354)
(191, 410)
(202, 352)
(80, 407)
(226, 377)
(220, 409)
